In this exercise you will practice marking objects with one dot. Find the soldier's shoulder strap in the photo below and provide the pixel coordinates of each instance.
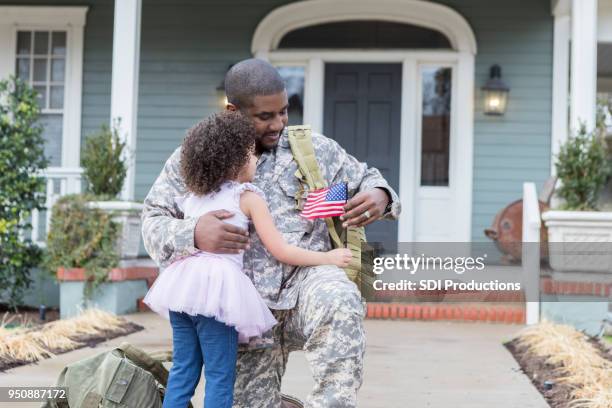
(302, 148)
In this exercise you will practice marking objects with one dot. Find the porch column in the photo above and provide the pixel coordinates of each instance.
(583, 81)
(124, 88)
(560, 86)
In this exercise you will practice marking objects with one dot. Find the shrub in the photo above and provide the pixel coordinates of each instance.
(582, 168)
(82, 237)
(103, 165)
(22, 188)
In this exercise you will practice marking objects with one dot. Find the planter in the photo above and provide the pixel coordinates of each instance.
(119, 294)
(127, 214)
(579, 240)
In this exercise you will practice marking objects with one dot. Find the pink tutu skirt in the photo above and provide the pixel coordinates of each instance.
(213, 286)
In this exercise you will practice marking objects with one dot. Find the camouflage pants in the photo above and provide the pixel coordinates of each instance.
(327, 323)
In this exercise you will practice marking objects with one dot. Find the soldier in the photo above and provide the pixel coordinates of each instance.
(319, 310)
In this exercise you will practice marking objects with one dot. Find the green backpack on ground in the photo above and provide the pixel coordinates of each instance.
(123, 377)
(359, 270)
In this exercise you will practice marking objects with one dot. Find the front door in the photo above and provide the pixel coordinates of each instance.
(362, 112)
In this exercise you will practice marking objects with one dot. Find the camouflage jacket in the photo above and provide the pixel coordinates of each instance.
(167, 236)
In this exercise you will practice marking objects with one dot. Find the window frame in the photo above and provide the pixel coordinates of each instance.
(49, 58)
(72, 21)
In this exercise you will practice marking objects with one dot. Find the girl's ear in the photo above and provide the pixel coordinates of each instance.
(231, 107)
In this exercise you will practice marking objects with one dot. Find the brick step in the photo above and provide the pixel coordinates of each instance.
(447, 312)
(468, 312)
(141, 307)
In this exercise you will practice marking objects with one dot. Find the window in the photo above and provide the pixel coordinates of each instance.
(435, 126)
(294, 83)
(41, 61)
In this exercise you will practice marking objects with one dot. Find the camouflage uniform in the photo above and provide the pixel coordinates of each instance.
(319, 310)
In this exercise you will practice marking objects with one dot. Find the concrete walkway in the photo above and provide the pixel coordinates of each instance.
(408, 364)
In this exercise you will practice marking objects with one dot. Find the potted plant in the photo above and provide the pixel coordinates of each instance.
(82, 253)
(104, 171)
(579, 235)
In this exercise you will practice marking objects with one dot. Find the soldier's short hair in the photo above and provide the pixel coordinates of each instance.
(249, 78)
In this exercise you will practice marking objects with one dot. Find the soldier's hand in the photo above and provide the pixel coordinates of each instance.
(365, 207)
(213, 235)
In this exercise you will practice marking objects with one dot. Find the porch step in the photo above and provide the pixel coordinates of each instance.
(141, 306)
(468, 312)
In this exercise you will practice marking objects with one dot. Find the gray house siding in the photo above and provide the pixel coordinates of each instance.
(186, 47)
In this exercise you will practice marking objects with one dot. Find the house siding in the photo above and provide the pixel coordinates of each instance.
(187, 46)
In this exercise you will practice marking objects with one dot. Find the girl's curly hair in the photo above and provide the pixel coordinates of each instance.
(215, 150)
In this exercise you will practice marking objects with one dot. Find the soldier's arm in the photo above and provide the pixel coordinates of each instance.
(167, 235)
(359, 176)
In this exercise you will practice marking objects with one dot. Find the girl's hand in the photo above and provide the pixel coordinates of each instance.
(340, 257)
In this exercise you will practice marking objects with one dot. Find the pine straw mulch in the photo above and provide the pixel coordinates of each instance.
(24, 345)
(570, 369)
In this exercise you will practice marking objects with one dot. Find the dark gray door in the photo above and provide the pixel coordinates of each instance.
(362, 112)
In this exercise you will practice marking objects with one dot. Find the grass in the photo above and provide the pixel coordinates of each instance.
(30, 344)
(582, 366)
(608, 339)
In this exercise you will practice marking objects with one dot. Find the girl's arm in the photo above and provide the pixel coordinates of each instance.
(256, 209)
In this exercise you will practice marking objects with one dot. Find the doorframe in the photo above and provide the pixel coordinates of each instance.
(435, 16)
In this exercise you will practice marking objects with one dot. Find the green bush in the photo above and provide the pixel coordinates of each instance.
(582, 167)
(103, 165)
(22, 188)
(82, 237)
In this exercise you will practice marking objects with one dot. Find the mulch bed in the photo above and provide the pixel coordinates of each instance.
(27, 315)
(538, 371)
(87, 340)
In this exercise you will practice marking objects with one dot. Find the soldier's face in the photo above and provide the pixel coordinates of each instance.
(269, 116)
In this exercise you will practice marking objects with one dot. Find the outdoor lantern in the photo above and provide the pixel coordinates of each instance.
(221, 96)
(495, 93)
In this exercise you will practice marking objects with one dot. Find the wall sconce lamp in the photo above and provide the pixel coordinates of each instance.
(221, 97)
(495, 93)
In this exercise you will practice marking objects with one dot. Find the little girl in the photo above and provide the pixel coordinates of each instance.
(212, 305)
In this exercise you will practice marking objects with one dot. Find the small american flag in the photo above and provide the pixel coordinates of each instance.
(326, 202)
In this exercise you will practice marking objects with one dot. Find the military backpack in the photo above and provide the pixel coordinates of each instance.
(123, 377)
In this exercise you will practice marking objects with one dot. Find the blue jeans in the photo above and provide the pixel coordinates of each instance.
(197, 340)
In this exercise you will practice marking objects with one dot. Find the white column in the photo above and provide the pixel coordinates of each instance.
(531, 253)
(124, 88)
(314, 94)
(584, 64)
(71, 140)
(560, 90)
